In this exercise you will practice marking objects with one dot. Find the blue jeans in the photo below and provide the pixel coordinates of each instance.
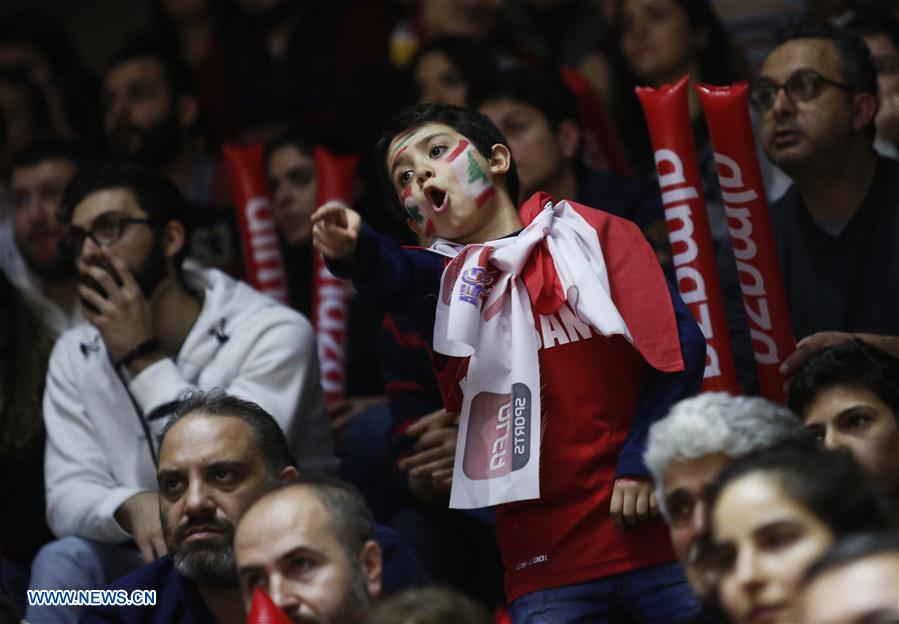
(77, 563)
(658, 594)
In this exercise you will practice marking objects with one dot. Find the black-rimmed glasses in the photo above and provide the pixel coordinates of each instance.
(803, 85)
(105, 230)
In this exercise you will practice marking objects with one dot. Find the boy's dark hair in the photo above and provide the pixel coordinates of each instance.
(269, 436)
(540, 87)
(178, 75)
(155, 194)
(856, 63)
(851, 549)
(855, 364)
(471, 58)
(830, 484)
(474, 126)
(49, 149)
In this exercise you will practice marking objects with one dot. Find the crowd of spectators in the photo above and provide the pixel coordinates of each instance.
(163, 425)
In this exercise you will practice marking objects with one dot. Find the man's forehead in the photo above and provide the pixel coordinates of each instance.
(41, 170)
(818, 54)
(292, 518)
(147, 66)
(203, 439)
(96, 203)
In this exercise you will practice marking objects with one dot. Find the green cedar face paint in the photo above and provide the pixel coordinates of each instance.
(472, 177)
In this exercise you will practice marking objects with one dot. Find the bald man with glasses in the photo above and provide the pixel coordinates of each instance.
(836, 228)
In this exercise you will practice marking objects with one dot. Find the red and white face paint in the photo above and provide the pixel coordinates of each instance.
(472, 178)
(668, 118)
(749, 222)
(457, 184)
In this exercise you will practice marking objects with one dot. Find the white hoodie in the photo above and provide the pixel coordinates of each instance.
(97, 453)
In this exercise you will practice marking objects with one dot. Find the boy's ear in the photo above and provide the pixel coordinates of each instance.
(500, 159)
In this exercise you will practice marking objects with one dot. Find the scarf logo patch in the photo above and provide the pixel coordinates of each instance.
(474, 284)
(498, 433)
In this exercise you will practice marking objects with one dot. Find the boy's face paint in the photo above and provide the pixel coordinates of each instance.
(471, 175)
(442, 180)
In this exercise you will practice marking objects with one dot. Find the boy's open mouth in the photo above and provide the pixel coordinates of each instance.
(438, 198)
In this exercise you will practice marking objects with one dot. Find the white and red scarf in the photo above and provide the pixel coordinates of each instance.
(484, 313)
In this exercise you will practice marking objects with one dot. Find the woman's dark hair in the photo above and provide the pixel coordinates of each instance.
(471, 58)
(720, 62)
(474, 126)
(829, 484)
(855, 364)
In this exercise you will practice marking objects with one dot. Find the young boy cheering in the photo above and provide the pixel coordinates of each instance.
(558, 339)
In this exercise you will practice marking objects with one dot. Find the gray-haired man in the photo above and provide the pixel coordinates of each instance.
(689, 447)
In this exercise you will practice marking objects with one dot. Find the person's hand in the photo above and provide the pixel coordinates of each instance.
(633, 502)
(335, 231)
(431, 466)
(124, 317)
(807, 347)
(139, 516)
(344, 411)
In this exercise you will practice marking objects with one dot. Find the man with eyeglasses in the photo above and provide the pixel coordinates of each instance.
(685, 452)
(156, 330)
(38, 177)
(836, 228)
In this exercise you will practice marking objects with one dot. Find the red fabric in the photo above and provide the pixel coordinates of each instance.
(567, 536)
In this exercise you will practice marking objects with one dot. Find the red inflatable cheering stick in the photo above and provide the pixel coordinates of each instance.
(330, 311)
(727, 113)
(668, 119)
(264, 611)
(258, 236)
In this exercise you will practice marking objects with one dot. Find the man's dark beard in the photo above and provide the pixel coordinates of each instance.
(148, 274)
(159, 145)
(205, 563)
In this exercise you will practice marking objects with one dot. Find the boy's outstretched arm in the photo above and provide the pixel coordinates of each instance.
(335, 231)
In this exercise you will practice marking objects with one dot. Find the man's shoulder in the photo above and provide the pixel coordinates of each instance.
(83, 340)
(155, 575)
(241, 303)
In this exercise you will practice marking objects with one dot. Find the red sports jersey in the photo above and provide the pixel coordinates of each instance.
(590, 388)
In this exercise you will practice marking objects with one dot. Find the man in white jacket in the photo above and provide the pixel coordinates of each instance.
(155, 332)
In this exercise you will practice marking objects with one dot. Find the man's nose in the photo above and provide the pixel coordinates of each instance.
(698, 519)
(281, 594)
(198, 501)
(89, 249)
(782, 104)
